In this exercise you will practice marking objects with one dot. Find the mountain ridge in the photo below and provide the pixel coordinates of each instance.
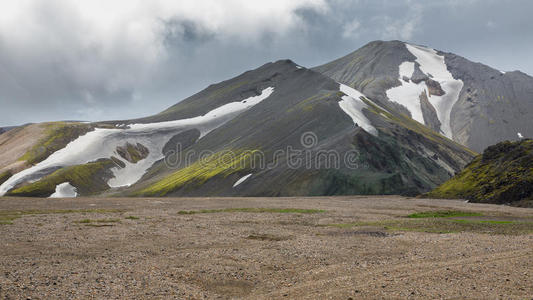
(342, 107)
(478, 118)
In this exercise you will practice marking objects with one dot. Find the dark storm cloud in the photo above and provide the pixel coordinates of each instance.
(64, 62)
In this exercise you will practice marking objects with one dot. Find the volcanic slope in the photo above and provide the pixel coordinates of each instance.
(471, 103)
(278, 130)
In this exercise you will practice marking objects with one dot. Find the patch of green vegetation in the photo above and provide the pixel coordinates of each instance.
(8, 219)
(443, 214)
(253, 210)
(447, 225)
(132, 218)
(87, 179)
(8, 216)
(4, 176)
(502, 174)
(132, 153)
(57, 136)
(222, 163)
(135, 154)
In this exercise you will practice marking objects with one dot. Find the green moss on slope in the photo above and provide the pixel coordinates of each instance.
(133, 153)
(502, 174)
(4, 176)
(222, 163)
(57, 136)
(87, 178)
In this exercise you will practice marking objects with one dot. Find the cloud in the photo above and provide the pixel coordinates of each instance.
(89, 53)
(118, 59)
(349, 30)
(402, 28)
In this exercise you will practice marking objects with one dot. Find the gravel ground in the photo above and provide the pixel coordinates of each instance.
(150, 248)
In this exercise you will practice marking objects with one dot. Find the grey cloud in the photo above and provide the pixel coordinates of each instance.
(83, 78)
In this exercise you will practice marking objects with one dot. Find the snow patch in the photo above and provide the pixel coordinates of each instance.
(64, 190)
(433, 64)
(242, 179)
(102, 143)
(353, 106)
(407, 69)
(408, 93)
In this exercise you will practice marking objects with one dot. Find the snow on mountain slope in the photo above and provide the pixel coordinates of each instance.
(472, 103)
(408, 93)
(242, 179)
(64, 190)
(103, 143)
(353, 106)
(435, 67)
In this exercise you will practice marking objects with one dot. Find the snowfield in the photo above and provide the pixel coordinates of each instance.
(64, 190)
(353, 106)
(102, 143)
(407, 94)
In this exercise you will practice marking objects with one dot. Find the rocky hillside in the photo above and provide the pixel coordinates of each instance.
(278, 130)
(502, 174)
(471, 103)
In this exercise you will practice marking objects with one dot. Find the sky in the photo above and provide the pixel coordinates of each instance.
(96, 60)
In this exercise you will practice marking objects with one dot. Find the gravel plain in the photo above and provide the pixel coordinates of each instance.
(262, 248)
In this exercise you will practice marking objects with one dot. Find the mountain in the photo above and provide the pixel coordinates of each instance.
(502, 174)
(471, 103)
(278, 130)
(6, 129)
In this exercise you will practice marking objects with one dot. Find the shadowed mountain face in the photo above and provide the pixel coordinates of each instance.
(471, 103)
(6, 129)
(279, 130)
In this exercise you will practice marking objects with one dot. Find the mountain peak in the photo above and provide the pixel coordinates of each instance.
(470, 102)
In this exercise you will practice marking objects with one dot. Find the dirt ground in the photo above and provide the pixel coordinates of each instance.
(260, 248)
